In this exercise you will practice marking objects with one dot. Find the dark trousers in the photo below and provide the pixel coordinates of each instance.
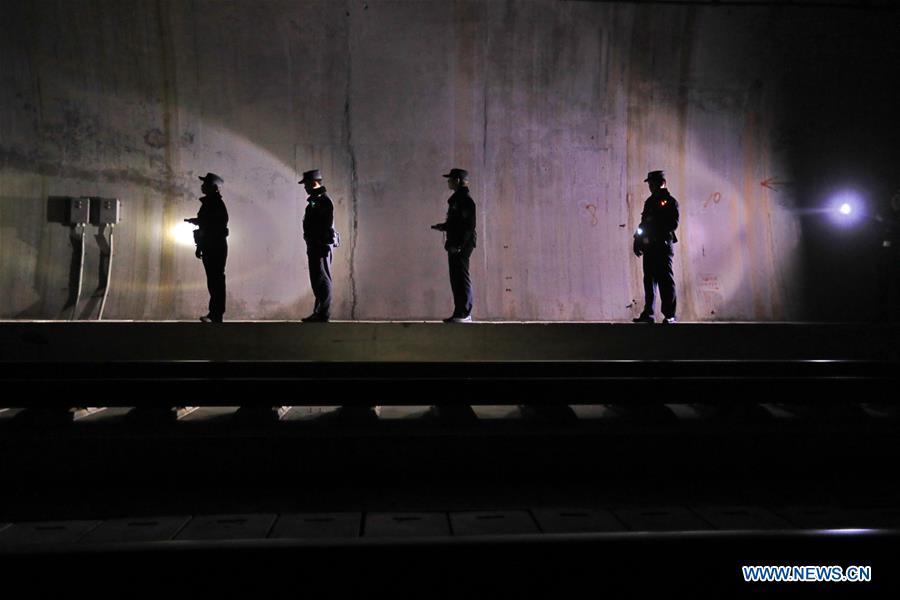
(214, 257)
(320, 279)
(658, 273)
(461, 282)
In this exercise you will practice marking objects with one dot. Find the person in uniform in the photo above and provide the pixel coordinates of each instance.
(653, 241)
(320, 236)
(459, 244)
(212, 245)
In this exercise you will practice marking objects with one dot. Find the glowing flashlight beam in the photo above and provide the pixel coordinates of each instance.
(846, 208)
(183, 234)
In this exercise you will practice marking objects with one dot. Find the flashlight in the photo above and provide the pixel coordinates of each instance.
(846, 208)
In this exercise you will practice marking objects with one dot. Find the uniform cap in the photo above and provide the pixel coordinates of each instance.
(458, 174)
(212, 178)
(656, 176)
(313, 175)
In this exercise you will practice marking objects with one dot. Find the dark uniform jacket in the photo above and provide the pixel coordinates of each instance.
(318, 220)
(212, 222)
(460, 224)
(659, 219)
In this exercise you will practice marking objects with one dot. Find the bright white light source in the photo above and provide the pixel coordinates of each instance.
(640, 231)
(183, 234)
(846, 208)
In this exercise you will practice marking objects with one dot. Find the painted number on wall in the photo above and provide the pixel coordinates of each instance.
(714, 198)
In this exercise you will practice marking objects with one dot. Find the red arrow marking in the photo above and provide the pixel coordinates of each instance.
(772, 183)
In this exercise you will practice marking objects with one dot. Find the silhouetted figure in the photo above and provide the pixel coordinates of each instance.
(653, 240)
(212, 245)
(889, 262)
(460, 241)
(320, 236)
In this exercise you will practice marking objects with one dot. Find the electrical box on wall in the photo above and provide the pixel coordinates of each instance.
(79, 209)
(105, 211)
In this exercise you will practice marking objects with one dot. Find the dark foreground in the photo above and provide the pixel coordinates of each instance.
(598, 459)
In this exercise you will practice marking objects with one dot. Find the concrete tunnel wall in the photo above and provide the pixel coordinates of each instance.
(557, 109)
